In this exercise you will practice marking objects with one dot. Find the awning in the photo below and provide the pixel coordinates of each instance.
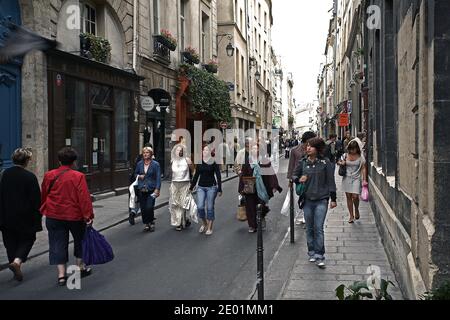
(161, 97)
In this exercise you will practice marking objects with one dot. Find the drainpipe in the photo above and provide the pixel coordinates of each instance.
(135, 13)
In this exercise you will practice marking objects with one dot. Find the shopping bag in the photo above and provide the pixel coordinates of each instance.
(96, 250)
(286, 206)
(241, 213)
(365, 193)
(193, 212)
(133, 196)
(187, 202)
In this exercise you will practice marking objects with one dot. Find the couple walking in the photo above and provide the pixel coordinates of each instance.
(65, 202)
(207, 181)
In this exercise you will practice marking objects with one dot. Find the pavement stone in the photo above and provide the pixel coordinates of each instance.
(358, 246)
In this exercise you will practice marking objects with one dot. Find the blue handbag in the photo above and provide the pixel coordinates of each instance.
(96, 250)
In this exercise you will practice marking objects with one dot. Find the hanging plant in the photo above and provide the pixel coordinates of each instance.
(98, 47)
(207, 94)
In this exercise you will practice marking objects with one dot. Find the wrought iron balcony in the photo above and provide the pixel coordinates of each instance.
(161, 52)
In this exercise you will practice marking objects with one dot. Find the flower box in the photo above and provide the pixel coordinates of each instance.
(190, 57)
(211, 68)
(164, 41)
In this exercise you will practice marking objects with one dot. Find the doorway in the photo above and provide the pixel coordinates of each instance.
(101, 151)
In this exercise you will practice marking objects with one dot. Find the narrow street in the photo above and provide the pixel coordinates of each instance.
(167, 265)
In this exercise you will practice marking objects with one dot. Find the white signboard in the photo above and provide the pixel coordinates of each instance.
(147, 103)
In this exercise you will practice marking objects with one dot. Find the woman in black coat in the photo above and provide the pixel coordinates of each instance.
(20, 218)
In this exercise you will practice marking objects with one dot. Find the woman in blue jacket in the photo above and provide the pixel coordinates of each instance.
(149, 186)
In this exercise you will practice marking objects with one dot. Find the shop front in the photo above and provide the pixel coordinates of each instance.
(93, 108)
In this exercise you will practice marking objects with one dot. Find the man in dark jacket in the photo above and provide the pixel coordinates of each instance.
(20, 219)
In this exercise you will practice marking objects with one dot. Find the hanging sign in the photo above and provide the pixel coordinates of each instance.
(147, 103)
(344, 120)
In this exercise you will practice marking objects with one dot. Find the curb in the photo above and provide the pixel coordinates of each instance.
(157, 207)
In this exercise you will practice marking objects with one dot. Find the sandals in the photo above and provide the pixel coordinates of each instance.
(62, 281)
(179, 228)
(357, 216)
(86, 271)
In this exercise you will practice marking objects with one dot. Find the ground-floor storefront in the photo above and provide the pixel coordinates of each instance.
(93, 108)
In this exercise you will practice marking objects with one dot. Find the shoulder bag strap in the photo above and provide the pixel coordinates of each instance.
(54, 180)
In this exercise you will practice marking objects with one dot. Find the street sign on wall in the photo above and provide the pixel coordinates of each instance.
(344, 120)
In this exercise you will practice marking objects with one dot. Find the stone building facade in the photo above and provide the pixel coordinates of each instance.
(409, 138)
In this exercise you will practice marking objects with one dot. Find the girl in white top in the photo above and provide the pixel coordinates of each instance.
(179, 189)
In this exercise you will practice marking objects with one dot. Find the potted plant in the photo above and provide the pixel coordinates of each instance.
(95, 47)
(211, 66)
(191, 55)
(167, 39)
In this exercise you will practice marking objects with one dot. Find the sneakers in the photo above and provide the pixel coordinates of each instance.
(300, 221)
(149, 228)
(251, 230)
(209, 232)
(321, 264)
(312, 259)
(202, 229)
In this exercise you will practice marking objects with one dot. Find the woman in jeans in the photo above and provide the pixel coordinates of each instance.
(355, 178)
(209, 180)
(67, 206)
(317, 173)
(20, 219)
(149, 186)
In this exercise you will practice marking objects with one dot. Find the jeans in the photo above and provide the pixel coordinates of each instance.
(147, 204)
(209, 194)
(315, 214)
(58, 238)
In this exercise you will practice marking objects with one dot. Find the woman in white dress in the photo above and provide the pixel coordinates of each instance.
(179, 189)
(354, 179)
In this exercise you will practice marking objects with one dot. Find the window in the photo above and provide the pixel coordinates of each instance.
(242, 21)
(256, 44)
(76, 120)
(205, 37)
(156, 28)
(242, 73)
(259, 45)
(182, 24)
(238, 71)
(122, 119)
(265, 50)
(88, 19)
(259, 13)
(265, 21)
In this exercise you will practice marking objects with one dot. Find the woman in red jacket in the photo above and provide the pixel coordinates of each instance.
(67, 206)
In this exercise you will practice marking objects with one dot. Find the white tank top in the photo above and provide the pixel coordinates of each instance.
(180, 171)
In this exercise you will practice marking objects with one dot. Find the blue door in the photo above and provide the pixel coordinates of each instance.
(10, 88)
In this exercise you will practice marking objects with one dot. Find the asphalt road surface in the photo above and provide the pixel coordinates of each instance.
(167, 265)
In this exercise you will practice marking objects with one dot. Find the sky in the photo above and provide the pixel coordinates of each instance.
(299, 35)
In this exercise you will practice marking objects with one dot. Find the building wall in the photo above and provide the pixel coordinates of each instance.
(409, 149)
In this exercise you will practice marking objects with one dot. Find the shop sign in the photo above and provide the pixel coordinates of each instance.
(344, 120)
(147, 103)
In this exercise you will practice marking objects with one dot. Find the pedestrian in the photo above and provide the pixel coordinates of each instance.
(20, 219)
(331, 151)
(297, 154)
(180, 188)
(348, 138)
(316, 172)
(67, 206)
(355, 177)
(265, 183)
(209, 180)
(148, 172)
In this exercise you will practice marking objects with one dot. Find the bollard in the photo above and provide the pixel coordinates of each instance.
(260, 254)
(292, 214)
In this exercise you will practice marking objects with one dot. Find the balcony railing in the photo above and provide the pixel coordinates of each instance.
(160, 51)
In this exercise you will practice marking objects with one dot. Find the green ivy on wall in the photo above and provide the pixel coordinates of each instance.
(207, 94)
(99, 47)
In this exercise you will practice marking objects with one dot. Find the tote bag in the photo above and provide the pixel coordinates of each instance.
(96, 250)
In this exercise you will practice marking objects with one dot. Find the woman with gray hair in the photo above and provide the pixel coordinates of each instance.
(20, 219)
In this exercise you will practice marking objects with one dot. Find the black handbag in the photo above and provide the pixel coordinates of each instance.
(343, 169)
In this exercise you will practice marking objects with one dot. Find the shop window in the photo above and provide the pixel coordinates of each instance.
(75, 126)
(100, 96)
(122, 119)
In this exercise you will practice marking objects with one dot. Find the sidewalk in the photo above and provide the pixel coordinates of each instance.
(109, 213)
(350, 250)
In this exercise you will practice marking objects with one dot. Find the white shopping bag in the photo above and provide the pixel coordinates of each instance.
(193, 213)
(187, 202)
(133, 197)
(286, 206)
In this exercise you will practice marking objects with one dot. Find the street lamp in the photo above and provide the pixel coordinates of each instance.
(229, 48)
(258, 75)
